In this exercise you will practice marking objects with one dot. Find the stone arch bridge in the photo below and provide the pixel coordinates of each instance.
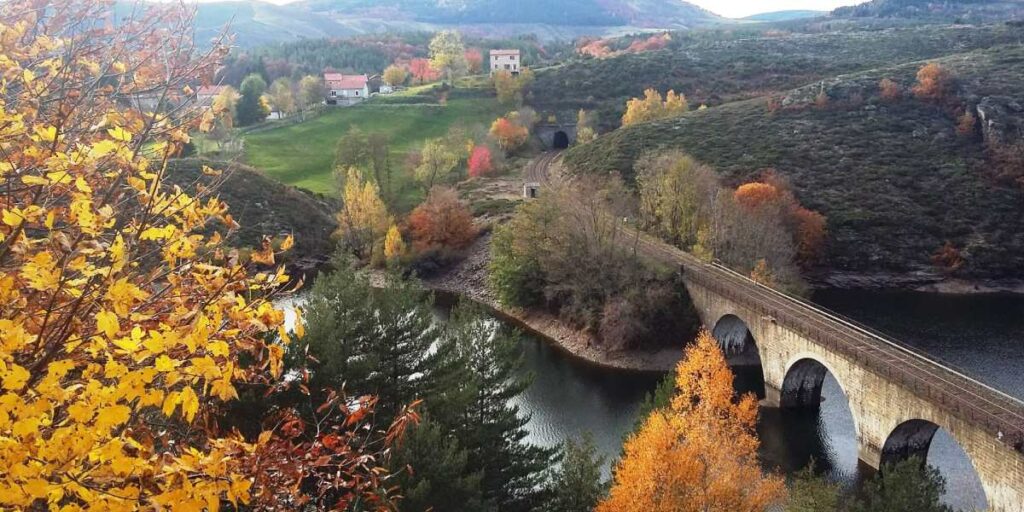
(899, 397)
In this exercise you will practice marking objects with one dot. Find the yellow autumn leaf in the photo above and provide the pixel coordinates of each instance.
(15, 377)
(189, 403)
(118, 133)
(165, 364)
(112, 416)
(288, 243)
(107, 323)
(31, 180)
(223, 389)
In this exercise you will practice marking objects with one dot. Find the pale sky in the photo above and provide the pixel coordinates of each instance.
(730, 8)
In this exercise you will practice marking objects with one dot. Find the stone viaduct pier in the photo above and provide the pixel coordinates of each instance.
(899, 397)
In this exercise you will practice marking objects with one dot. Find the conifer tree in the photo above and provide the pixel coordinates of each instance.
(435, 471)
(577, 485)
(371, 341)
(250, 109)
(491, 427)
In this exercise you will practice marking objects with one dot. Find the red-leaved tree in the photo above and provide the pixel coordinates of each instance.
(422, 72)
(441, 222)
(480, 163)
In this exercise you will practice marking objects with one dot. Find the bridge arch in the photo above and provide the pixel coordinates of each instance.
(804, 379)
(914, 438)
(741, 350)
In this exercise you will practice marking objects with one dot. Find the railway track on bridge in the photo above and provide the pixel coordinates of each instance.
(1001, 414)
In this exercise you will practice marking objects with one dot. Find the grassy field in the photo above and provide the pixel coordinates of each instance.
(303, 155)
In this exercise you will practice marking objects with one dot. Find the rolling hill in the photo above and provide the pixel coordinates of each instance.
(785, 15)
(715, 67)
(885, 173)
(931, 10)
(255, 22)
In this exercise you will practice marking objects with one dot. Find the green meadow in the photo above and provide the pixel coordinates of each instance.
(303, 154)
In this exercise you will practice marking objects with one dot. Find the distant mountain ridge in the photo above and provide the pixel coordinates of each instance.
(939, 10)
(796, 14)
(256, 22)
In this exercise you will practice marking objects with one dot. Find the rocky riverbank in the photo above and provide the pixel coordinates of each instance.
(922, 281)
(469, 279)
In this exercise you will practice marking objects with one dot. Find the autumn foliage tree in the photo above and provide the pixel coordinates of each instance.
(422, 72)
(126, 328)
(889, 90)
(700, 453)
(474, 61)
(480, 163)
(933, 82)
(508, 134)
(395, 75)
(363, 221)
(653, 106)
(441, 222)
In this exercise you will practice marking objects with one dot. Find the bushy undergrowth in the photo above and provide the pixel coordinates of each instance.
(571, 257)
(895, 179)
(717, 67)
(264, 207)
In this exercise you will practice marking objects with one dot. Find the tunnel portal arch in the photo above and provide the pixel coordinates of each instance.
(561, 140)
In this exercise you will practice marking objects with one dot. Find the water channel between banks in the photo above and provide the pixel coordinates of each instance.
(982, 334)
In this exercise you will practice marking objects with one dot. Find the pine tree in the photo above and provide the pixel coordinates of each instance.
(491, 427)
(371, 341)
(577, 486)
(434, 471)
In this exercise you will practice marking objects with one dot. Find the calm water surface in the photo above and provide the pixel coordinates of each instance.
(984, 335)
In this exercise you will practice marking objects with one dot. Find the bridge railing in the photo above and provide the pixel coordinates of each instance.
(966, 397)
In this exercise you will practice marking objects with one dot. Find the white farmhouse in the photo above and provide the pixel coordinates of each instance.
(346, 89)
(505, 60)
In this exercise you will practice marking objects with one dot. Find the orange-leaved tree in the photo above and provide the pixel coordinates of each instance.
(933, 82)
(700, 453)
(889, 90)
(441, 222)
(125, 327)
(509, 135)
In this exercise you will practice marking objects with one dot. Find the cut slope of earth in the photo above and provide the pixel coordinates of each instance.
(715, 68)
(895, 179)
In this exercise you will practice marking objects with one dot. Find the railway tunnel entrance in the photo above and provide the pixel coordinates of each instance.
(560, 140)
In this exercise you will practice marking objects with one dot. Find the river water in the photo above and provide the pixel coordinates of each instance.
(983, 335)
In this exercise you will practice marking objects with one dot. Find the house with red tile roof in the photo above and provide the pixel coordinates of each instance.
(346, 89)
